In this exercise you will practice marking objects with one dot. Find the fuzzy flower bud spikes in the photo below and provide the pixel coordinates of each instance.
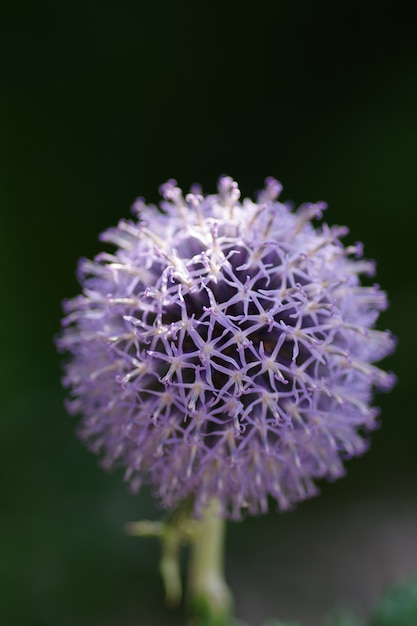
(225, 349)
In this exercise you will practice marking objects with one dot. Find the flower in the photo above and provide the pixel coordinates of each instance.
(226, 349)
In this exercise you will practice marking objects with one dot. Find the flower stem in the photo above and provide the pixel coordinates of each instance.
(209, 597)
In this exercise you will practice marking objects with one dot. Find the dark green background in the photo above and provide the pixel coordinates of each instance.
(103, 101)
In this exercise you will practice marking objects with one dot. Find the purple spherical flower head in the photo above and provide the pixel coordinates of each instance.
(225, 349)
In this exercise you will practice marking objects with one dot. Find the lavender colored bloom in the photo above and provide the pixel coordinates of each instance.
(225, 349)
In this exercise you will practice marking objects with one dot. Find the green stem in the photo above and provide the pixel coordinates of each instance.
(209, 597)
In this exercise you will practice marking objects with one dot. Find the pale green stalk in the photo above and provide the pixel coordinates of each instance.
(209, 597)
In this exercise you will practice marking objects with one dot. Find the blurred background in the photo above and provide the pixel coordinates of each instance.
(102, 101)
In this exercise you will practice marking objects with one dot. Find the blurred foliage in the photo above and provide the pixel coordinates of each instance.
(398, 607)
(275, 622)
(342, 617)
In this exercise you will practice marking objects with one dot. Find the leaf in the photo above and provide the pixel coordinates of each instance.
(398, 607)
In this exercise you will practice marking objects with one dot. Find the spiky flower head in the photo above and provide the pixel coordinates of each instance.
(225, 349)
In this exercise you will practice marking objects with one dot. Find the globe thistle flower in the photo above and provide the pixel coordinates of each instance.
(226, 349)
